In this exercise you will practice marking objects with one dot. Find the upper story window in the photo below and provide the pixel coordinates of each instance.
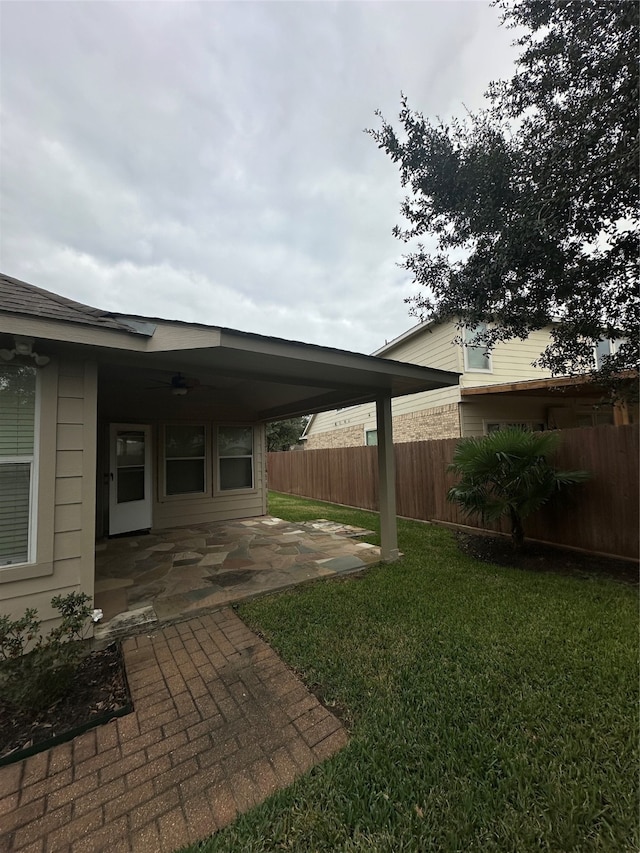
(476, 357)
(17, 462)
(603, 349)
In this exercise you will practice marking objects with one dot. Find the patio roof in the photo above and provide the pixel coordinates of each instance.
(263, 378)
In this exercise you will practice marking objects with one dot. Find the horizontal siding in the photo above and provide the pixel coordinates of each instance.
(68, 517)
(511, 361)
(71, 408)
(433, 347)
(220, 507)
(68, 490)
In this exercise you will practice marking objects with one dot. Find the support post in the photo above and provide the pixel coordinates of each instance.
(387, 480)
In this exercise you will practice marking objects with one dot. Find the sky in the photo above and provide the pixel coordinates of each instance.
(207, 162)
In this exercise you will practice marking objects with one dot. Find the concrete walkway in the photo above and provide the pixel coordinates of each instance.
(219, 724)
(172, 573)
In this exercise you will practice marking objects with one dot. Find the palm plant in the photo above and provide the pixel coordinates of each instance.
(508, 473)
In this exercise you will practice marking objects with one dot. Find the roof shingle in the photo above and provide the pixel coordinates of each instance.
(18, 297)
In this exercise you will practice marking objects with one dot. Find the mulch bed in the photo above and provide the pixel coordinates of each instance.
(99, 689)
(545, 558)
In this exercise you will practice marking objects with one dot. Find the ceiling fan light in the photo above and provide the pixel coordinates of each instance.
(179, 390)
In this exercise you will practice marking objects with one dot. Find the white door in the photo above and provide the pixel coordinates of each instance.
(129, 478)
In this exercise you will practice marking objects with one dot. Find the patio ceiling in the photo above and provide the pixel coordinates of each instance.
(267, 378)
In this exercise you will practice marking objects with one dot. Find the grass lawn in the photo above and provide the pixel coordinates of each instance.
(489, 709)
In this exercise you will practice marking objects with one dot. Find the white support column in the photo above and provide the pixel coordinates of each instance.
(387, 480)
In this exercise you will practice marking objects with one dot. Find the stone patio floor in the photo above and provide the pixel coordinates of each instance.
(165, 575)
(219, 724)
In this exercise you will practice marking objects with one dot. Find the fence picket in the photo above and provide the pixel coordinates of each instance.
(600, 515)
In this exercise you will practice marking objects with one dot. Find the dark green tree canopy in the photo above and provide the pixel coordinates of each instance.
(281, 435)
(531, 206)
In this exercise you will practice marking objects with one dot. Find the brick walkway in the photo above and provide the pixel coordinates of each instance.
(219, 724)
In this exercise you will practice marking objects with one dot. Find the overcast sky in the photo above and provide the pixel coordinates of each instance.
(207, 161)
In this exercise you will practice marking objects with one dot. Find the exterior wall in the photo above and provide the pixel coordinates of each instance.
(511, 361)
(245, 503)
(348, 436)
(412, 421)
(565, 413)
(438, 422)
(434, 414)
(65, 494)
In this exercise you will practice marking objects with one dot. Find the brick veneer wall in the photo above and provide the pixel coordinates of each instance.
(351, 436)
(438, 422)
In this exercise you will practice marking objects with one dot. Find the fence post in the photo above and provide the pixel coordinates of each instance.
(387, 481)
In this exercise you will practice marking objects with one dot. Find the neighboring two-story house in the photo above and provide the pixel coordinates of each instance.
(494, 390)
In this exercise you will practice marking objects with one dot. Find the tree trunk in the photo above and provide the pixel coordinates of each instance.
(517, 533)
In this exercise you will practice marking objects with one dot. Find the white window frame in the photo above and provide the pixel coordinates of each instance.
(33, 460)
(366, 433)
(243, 490)
(470, 333)
(206, 492)
(614, 343)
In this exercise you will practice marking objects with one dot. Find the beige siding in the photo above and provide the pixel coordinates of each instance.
(511, 361)
(434, 414)
(495, 408)
(220, 506)
(430, 347)
(418, 417)
(66, 494)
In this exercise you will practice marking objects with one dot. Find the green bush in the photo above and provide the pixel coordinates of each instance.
(508, 473)
(36, 671)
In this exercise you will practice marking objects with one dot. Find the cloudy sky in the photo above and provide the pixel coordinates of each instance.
(207, 161)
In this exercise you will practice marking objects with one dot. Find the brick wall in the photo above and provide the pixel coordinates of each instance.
(438, 422)
(351, 436)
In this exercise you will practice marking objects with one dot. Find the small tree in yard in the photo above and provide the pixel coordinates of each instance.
(508, 473)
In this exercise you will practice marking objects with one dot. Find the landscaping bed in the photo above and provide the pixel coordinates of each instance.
(537, 557)
(98, 692)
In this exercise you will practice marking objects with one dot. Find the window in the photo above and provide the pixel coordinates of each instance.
(184, 459)
(603, 349)
(235, 457)
(17, 462)
(371, 437)
(494, 426)
(476, 357)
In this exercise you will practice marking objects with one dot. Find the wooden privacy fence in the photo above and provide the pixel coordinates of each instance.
(599, 516)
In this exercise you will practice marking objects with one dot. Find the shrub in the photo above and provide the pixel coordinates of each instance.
(508, 473)
(36, 671)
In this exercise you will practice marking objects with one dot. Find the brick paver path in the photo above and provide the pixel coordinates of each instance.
(219, 724)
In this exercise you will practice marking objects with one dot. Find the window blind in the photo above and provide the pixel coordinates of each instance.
(17, 431)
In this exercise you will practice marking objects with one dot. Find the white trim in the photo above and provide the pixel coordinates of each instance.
(206, 492)
(467, 368)
(244, 490)
(32, 460)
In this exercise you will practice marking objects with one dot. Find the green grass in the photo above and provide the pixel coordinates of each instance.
(489, 709)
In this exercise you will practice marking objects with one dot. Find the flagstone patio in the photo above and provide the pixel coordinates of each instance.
(165, 575)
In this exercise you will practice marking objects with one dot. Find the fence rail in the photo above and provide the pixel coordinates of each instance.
(599, 516)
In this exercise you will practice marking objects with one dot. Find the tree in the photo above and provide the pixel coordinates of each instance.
(507, 472)
(532, 204)
(281, 435)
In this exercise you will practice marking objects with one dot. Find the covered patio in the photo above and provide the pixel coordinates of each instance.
(165, 575)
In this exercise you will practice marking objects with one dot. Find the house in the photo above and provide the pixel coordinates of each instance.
(112, 423)
(494, 390)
